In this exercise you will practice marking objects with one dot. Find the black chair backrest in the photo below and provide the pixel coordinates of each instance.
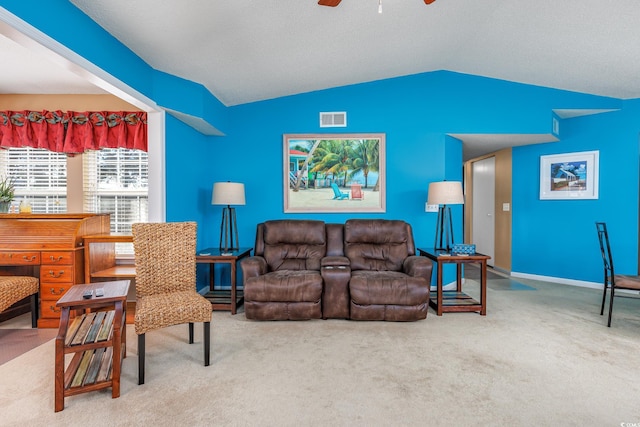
(605, 249)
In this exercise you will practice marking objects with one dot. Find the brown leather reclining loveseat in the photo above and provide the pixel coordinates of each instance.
(362, 270)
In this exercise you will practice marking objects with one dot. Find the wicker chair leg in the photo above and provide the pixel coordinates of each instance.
(190, 332)
(34, 310)
(207, 342)
(141, 359)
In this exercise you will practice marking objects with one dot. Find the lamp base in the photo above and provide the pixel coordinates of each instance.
(228, 230)
(444, 230)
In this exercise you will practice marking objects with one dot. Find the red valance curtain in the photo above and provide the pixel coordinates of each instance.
(72, 132)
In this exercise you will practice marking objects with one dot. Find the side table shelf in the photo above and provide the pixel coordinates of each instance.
(95, 337)
(223, 299)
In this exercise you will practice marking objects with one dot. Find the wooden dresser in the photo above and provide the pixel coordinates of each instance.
(50, 247)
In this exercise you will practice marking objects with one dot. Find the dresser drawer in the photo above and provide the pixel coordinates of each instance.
(50, 293)
(53, 291)
(19, 258)
(57, 258)
(56, 274)
(48, 309)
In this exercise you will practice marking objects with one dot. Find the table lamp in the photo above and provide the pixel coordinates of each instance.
(444, 193)
(228, 193)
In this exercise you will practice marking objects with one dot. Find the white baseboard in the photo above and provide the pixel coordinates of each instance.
(560, 280)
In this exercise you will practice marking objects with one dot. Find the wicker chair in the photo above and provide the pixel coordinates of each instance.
(165, 255)
(16, 288)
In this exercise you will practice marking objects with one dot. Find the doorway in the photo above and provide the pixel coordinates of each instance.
(483, 216)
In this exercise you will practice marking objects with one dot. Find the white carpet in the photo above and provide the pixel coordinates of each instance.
(539, 358)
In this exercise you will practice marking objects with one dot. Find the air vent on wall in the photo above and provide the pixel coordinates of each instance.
(333, 119)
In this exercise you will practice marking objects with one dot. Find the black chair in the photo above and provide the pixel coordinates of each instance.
(612, 280)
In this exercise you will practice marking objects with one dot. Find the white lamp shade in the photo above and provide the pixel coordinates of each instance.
(445, 193)
(228, 193)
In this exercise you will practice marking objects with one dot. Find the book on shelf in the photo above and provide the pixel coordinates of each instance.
(83, 329)
(95, 327)
(107, 325)
(72, 329)
(105, 365)
(82, 369)
(94, 366)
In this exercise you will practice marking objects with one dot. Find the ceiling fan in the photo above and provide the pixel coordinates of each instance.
(334, 3)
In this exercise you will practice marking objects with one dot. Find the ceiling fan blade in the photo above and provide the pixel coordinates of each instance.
(331, 3)
(429, 1)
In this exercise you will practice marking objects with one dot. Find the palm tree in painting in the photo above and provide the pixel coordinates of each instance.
(332, 158)
(365, 158)
(374, 161)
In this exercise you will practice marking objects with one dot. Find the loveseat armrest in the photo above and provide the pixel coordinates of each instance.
(253, 266)
(418, 266)
(336, 272)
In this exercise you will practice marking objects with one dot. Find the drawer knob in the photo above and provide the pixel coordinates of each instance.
(54, 259)
(54, 292)
(53, 273)
(54, 309)
(29, 259)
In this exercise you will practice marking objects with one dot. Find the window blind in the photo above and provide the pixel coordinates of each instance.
(40, 177)
(116, 181)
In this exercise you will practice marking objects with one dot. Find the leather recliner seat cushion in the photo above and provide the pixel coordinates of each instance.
(285, 286)
(387, 288)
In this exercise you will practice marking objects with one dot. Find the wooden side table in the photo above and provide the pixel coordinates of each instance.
(456, 301)
(223, 299)
(97, 338)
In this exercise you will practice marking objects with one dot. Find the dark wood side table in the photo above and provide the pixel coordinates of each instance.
(97, 340)
(222, 299)
(456, 301)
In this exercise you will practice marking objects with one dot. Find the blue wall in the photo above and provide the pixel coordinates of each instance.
(550, 238)
(416, 112)
(558, 238)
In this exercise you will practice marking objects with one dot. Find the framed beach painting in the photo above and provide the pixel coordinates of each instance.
(334, 173)
(569, 176)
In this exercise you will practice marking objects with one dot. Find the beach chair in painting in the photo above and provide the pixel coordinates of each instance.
(337, 194)
(356, 192)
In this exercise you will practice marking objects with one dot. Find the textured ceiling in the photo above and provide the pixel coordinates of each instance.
(249, 50)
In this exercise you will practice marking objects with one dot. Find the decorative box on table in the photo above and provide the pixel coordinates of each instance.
(466, 249)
